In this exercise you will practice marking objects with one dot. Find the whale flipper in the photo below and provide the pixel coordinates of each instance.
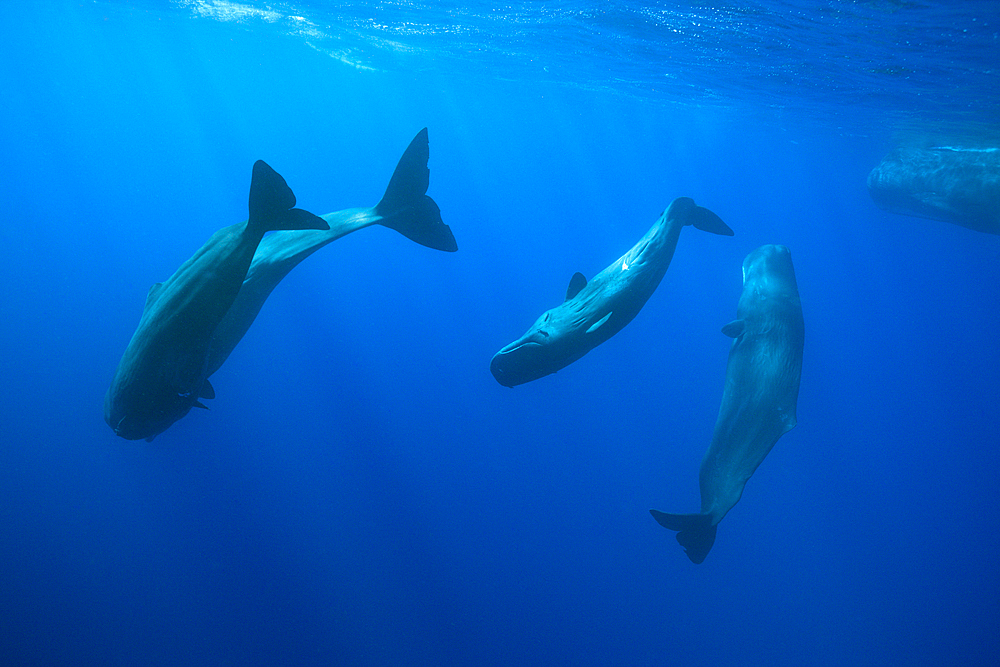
(405, 206)
(597, 325)
(734, 329)
(695, 532)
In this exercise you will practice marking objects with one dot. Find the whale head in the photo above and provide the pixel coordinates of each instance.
(768, 280)
(550, 344)
(143, 419)
(768, 269)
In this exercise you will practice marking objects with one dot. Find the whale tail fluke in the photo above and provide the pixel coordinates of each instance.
(695, 532)
(707, 221)
(272, 201)
(405, 206)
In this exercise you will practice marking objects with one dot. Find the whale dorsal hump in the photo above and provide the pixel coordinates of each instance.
(599, 323)
(576, 283)
(154, 291)
(734, 328)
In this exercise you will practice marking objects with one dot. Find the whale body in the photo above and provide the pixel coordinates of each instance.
(951, 184)
(164, 370)
(595, 311)
(405, 207)
(760, 395)
(215, 296)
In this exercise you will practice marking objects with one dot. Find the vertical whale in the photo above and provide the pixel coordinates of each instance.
(164, 370)
(760, 395)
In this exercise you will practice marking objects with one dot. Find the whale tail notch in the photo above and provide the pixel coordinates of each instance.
(405, 206)
(695, 532)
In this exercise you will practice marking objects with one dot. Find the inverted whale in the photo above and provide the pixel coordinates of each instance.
(760, 395)
(595, 311)
(404, 207)
(164, 370)
(956, 185)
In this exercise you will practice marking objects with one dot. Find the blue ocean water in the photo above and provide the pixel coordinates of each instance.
(362, 491)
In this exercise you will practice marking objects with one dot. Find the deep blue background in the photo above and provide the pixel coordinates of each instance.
(362, 491)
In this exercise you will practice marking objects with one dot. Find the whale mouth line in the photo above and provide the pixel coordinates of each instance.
(519, 346)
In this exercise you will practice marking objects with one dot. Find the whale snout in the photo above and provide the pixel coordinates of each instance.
(767, 259)
(768, 274)
(125, 428)
(116, 418)
(776, 250)
(513, 365)
(767, 252)
(143, 420)
(498, 368)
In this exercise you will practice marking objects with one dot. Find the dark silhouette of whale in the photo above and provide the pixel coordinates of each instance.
(164, 370)
(760, 395)
(404, 207)
(595, 311)
(956, 185)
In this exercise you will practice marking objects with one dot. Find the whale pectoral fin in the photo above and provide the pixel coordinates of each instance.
(707, 221)
(576, 283)
(695, 532)
(599, 323)
(207, 390)
(734, 328)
